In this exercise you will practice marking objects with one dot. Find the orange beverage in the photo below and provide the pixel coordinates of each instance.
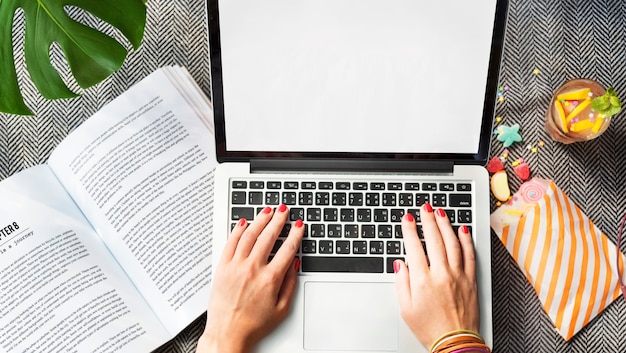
(570, 117)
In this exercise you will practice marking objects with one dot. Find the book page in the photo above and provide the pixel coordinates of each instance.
(61, 290)
(141, 169)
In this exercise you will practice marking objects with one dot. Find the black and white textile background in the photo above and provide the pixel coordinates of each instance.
(548, 42)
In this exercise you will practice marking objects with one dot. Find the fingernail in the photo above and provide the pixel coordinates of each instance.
(428, 207)
(267, 210)
(242, 222)
(396, 266)
(409, 217)
(464, 229)
(296, 265)
(299, 223)
(441, 212)
(282, 207)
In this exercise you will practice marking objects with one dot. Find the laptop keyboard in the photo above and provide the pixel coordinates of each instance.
(350, 226)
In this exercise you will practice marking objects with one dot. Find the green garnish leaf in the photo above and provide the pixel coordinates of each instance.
(601, 103)
(607, 104)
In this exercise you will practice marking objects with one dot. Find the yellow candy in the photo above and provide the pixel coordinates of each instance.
(578, 109)
(561, 112)
(597, 125)
(574, 95)
(581, 125)
(500, 186)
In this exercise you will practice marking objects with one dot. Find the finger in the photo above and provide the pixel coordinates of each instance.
(233, 240)
(287, 251)
(469, 254)
(250, 235)
(416, 258)
(434, 242)
(265, 242)
(403, 285)
(450, 240)
(288, 288)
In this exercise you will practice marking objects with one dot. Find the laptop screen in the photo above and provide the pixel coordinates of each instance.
(354, 78)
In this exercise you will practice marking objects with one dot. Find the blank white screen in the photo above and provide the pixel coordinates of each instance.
(395, 76)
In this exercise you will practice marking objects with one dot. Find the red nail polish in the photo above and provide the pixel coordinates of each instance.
(396, 266)
(464, 229)
(299, 223)
(428, 207)
(242, 222)
(267, 210)
(296, 265)
(282, 207)
(409, 217)
(441, 212)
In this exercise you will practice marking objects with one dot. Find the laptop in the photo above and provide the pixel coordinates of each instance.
(353, 113)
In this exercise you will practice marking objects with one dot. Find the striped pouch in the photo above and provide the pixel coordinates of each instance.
(571, 264)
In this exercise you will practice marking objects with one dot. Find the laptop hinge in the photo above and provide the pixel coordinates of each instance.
(350, 165)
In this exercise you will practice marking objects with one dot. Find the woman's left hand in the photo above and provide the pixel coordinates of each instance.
(250, 295)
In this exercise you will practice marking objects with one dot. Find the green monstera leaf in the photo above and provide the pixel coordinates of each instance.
(91, 55)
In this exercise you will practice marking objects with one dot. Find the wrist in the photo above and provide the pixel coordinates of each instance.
(208, 343)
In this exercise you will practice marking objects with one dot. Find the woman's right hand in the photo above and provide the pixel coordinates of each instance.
(437, 294)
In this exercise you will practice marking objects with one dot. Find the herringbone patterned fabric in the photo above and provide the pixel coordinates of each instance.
(561, 38)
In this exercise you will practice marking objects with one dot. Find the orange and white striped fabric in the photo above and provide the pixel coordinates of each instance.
(568, 260)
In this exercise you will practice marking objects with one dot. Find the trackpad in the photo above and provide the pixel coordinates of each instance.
(350, 316)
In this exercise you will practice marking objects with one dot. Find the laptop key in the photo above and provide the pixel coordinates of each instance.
(411, 186)
(439, 200)
(355, 199)
(446, 187)
(239, 184)
(463, 187)
(325, 246)
(330, 215)
(309, 246)
(429, 186)
(272, 198)
(359, 247)
(421, 199)
(296, 214)
(314, 214)
(396, 215)
(342, 247)
(274, 184)
(339, 198)
(291, 185)
(368, 231)
(394, 186)
(255, 198)
(305, 198)
(334, 231)
(289, 198)
(347, 214)
(325, 185)
(351, 231)
(390, 261)
(238, 198)
(257, 185)
(464, 216)
(394, 248)
(460, 200)
(322, 198)
(342, 185)
(238, 213)
(317, 230)
(355, 264)
(376, 247)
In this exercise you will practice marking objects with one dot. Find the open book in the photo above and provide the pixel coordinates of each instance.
(107, 248)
